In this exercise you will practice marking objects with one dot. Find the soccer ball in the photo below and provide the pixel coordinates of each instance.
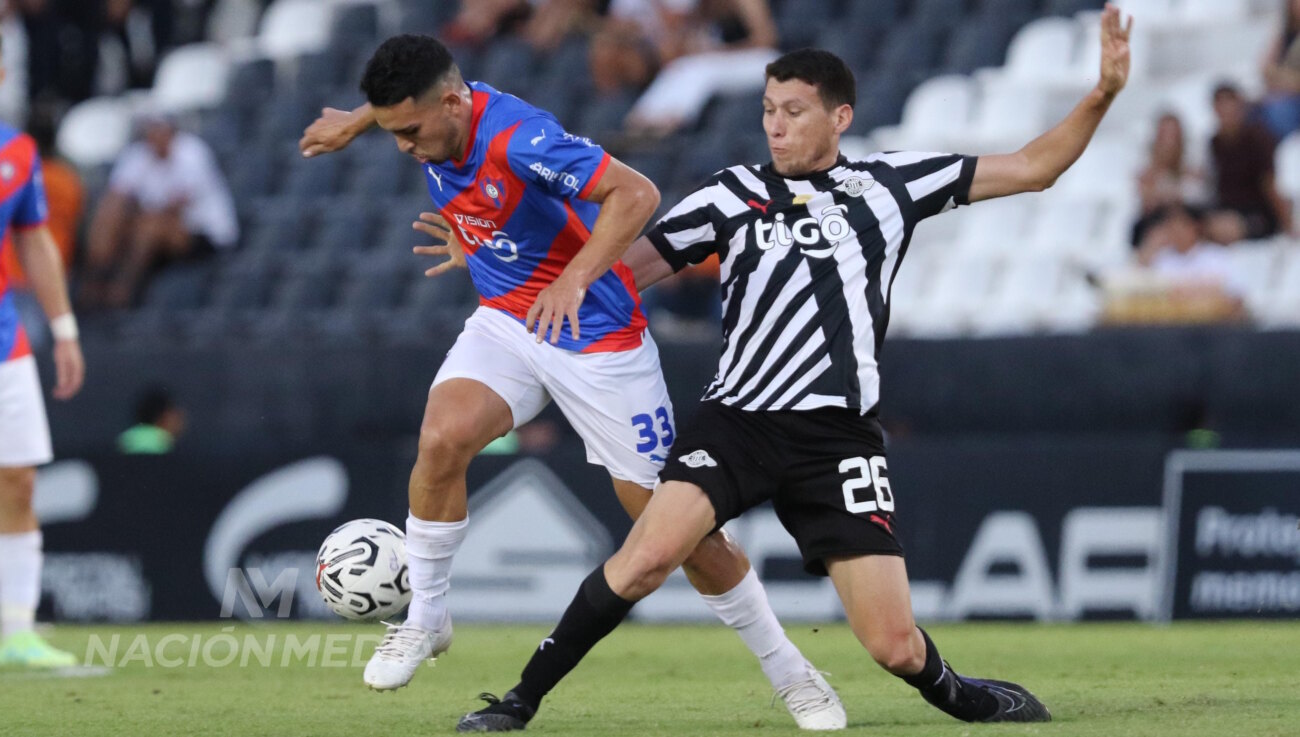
(361, 570)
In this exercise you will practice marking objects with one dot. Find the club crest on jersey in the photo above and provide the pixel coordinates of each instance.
(7, 171)
(698, 459)
(495, 190)
(854, 186)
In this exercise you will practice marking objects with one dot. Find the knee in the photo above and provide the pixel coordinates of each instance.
(16, 485)
(446, 446)
(900, 652)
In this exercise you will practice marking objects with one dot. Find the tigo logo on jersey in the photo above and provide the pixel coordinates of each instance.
(829, 225)
(499, 241)
(698, 459)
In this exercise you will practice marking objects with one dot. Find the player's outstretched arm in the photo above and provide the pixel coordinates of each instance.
(1037, 166)
(436, 226)
(40, 259)
(335, 129)
(627, 200)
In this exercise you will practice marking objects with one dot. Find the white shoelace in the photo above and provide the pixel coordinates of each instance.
(399, 641)
(805, 696)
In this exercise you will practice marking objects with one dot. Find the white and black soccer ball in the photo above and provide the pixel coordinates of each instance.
(361, 570)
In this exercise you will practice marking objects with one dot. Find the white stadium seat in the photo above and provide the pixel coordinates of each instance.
(1287, 166)
(292, 27)
(232, 19)
(94, 131)
(1044, 48)
(938, 110)
(191, 77)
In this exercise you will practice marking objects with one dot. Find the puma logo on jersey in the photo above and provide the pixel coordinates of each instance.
(698, 459)
(538, 138)
(763, 207)
(433, 173)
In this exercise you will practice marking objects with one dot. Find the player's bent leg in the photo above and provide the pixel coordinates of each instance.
(461, 417)
(877, 602)
(20, 575)
(673, 523)
(720, 571)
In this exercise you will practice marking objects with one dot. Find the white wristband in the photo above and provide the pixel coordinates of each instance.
(64, 327)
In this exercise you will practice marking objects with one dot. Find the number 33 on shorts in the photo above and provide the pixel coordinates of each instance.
(866, 474)
(653, 431)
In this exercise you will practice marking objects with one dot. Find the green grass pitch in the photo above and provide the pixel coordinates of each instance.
(1108, 680)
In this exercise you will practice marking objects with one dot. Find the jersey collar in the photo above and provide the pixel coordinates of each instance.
(480, 104)
(840, 160)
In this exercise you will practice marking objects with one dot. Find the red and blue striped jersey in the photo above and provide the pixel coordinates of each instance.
(516, 204)
(22, 205)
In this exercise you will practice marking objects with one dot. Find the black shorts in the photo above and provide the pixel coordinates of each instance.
(824, 471)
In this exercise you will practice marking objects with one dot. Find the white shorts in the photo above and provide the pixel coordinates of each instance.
(24, 431)
(617, 402)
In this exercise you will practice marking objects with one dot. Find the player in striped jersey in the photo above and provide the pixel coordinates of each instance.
(24, 431)
(809, 245)
(540, 217)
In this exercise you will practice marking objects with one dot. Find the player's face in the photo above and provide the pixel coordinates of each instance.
(425, 129)
(802, 134)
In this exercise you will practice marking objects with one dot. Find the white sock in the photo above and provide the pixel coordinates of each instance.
(429, 549)
(745, 609)
(20, 580)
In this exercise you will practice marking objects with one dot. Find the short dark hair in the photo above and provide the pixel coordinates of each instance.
(821, 69)
(1226, 89)
(405, 66)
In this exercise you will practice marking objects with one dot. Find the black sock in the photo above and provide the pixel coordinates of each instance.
(594, 613)
(947, 691)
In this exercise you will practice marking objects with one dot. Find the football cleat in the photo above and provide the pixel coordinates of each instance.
(813, 703)
(400, 653)
(28, 649)
(506, 714)
(1015, 703)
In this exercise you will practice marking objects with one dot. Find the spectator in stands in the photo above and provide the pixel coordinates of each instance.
(691, 49)
(64, 195)
(1166, 179)
(1197, 273)
(1247, 204)
(166, 200)
(479, 20)
(1280, 107)
(159, 420)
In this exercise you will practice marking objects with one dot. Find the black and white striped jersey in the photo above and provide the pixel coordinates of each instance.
(807, 264)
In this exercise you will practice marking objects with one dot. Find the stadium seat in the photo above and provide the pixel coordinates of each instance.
(422, 16)
(1287, 165)
(1042, 49)
(1072, 7)
(936, 112)
(909, 49)
(181, 286)
(251, 83)
(509, 65)
(980, 41)
(881, 96)
(872, 15)
(354, 23)
(1014, 10)
(94, 131)
(938, 13)
(233, 19)
(321, 70)
(992, 229)
(309, 178)
(291, 27)
(797, 23)
(190, 77)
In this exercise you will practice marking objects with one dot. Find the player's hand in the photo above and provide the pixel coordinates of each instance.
(436, 226)
(556, 302)
(332, 131)
(1114, 51)
(69, 368)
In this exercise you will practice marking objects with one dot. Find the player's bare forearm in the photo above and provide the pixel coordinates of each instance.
(1038, 165)
(647, 265)
(627, 201)
(40, 259)
(335, 129)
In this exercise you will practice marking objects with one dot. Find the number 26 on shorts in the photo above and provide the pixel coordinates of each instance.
(649, 436)
(866, 474)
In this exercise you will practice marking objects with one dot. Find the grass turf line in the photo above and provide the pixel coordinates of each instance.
(1111, 680)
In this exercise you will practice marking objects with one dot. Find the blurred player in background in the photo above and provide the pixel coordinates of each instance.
(540, 217)
(809, 246)
(24, 430)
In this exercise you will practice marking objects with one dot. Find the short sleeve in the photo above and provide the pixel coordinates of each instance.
(936, 182)
(690, 232)
(544, 154)
(32, 210)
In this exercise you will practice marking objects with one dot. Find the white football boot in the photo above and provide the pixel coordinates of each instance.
(400, 653)
(813, 703)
